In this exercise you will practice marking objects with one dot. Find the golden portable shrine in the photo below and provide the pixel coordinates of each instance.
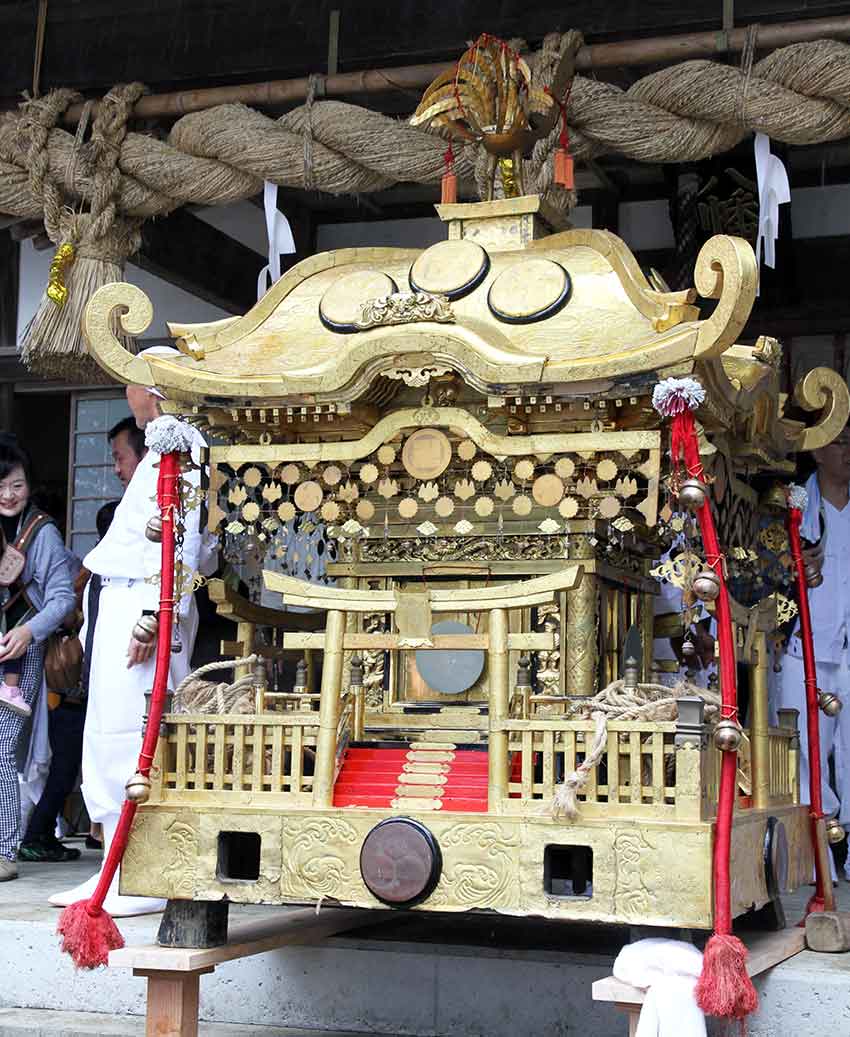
(465, 435)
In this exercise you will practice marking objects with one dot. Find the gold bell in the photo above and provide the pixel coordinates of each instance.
(692, 494)
(145, 628)
(834, 832)
(706, 585)
(138, 788)
(727, 736)
(829, 703)
(153, 530)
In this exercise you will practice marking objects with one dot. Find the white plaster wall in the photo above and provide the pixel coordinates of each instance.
(243, 221)
(169, 302)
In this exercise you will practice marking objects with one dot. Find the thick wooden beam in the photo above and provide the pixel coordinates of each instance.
(194, 256)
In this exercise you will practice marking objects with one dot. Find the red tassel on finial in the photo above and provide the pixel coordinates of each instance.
(448, 195)
(563, 167)
(88, 936)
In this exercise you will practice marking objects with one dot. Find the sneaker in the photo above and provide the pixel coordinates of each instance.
(45, 850)
(12, 698)
(8, 870)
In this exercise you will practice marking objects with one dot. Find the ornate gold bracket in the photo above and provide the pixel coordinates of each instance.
(726, 270)
(98, 332)
(825, 390)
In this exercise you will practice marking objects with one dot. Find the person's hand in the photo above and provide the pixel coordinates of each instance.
(138, 652)
(15, 643)
(813, 556)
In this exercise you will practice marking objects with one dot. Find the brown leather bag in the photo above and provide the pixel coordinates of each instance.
(63, 661)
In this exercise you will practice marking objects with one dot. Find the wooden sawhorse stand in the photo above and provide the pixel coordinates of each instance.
(766, 950)
(173, 973)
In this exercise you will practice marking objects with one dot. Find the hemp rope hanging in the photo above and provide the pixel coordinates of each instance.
(799, 94)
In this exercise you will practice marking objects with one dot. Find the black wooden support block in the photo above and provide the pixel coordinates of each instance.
(194, 923)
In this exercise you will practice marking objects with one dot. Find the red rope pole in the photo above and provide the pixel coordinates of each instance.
(88, 931)
(794, 520)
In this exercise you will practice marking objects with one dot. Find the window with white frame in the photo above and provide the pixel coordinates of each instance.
(92, 480)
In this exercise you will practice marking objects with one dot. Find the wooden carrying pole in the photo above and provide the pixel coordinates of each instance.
(656, 50)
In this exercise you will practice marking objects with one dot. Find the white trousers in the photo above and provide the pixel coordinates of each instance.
(116, 703)
(834, 731)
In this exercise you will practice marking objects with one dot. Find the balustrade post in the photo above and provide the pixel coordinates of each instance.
(789, 720)
(759, 734)
(323, 778)
(498, 768)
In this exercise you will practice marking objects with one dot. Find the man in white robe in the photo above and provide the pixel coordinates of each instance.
(826, 519)
(122, 668)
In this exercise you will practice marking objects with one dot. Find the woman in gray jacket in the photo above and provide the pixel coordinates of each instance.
(49, 596)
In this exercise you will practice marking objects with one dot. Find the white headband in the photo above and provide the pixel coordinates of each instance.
(158, 351)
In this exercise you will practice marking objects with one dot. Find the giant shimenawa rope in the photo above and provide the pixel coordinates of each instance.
(799, 94)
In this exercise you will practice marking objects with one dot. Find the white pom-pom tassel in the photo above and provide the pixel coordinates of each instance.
(166, 434)
(798, 497)
(675, 395)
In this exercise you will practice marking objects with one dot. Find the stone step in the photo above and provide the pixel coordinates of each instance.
(17, 1022)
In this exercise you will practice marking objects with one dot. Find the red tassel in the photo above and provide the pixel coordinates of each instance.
(87, 937)
(448, 194)
(564, 174)
(725, 989)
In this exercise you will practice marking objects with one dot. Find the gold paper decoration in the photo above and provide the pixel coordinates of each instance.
(251, 512)
(464, 489)
(286, 511)
(547, 490)
(463, 527)
(365, 510)
(606, 469)
(407, 507)
(332, 475)
(349, 492)
(368, 473)
(523, 470)
(290, 474)
(586, 487)
(505, 489)
(272, 492)
(386, 454)
(428, 491)
(481, 471)
(426, 454)
(609, 507)
(564, 467)
(330, 511)
(483, 507)
(568, 508)
(627, 487)
(388, 488)
(522, 506)
(252, 477)
(444, 507)
(308, 495)
(237, 495)
(466, 450)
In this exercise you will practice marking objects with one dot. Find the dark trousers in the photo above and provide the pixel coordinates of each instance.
(65, 731)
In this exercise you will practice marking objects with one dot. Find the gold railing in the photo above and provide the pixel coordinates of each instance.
(203, 755)
(783, 781)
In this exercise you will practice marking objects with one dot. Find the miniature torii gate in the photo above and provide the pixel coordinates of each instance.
(412, 609)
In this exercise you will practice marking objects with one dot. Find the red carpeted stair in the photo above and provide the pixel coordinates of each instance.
(448, 777)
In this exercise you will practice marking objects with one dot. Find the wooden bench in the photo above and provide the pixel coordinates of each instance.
(766, 950)
(173, 973)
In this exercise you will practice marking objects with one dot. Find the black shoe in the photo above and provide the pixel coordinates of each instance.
(47, 850)
(93, 844)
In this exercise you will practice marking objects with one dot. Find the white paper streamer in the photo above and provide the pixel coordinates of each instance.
(774, 190)
(280, 237)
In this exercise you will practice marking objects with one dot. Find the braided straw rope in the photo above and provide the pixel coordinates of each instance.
(616, 702)
(194, 695)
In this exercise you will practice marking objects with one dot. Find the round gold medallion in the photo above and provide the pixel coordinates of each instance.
(523, 470)
(386, 454)
(368, 473)
(547, 490)
(426, 454)
(564, 467)
(609, 507)
(466, 450)
(450, 268)
(251, 512)
(483, 507)
(332, 475)
(339, 309)
(606, 469)
(568, 508)
(444, 507)
(365, 510)
(252, 477)
(308, 496)
(481, 471)
(522, 506)
(407, 507)
(330, 511)
(529, 291)
(286, 511)
(290, 474)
